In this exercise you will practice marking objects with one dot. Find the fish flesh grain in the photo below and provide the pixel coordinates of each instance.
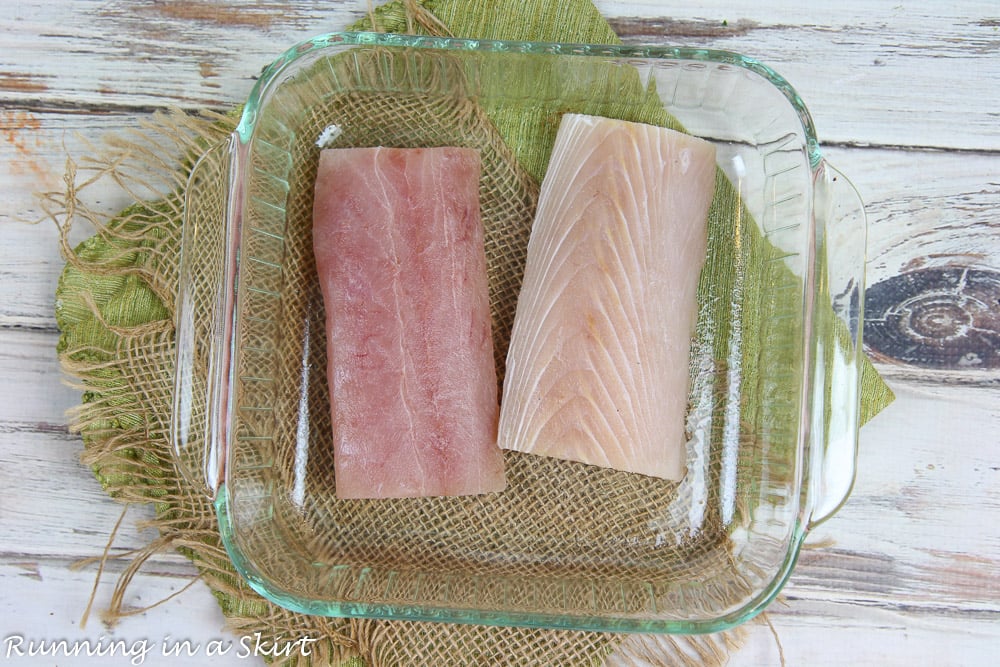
(399, 251)
(597, 369)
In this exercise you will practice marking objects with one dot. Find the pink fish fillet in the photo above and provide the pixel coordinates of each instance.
(597, 369)
(399, 252)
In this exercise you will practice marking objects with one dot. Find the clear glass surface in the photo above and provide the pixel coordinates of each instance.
(774, 395)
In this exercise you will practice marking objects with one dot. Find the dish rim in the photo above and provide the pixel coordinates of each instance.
(273, 71)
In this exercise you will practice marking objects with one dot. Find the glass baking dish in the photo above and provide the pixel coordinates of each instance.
(773, 415)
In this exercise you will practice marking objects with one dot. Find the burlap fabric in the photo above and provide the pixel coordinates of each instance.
(116, 308)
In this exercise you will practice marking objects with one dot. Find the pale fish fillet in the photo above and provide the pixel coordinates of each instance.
(400, 257)
(597, 369)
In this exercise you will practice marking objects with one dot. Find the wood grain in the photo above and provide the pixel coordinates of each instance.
(866, 53)
(936, 318)
(44, 599)
(921, 218)
(831, 633)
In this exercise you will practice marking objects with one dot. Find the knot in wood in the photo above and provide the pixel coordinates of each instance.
(936, 318)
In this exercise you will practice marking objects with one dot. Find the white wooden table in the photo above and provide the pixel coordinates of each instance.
(906, 98)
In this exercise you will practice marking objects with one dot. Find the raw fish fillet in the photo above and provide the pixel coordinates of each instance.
(597, 369)
(399, 252)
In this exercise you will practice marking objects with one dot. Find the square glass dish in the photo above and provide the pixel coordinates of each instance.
(773, 414)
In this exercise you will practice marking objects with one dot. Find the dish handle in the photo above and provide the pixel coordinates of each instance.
(200, 322)
(841, 230)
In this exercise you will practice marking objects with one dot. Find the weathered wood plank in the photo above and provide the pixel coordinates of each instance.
(917, 528)
(925, 207)
(856, 64)
(31, 392)
(43, 491)
(96, 54)
(883, 75)
(44, 600)
(33, 158)
(54, 513)
(932, 216)
(828, 633)
(44, 483)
